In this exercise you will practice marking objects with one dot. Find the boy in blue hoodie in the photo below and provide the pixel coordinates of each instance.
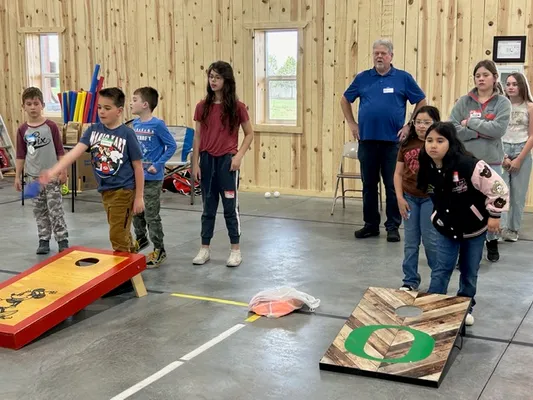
(158, 146)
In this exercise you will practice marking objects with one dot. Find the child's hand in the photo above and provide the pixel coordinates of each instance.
(46, 177)
(196, 174)
(235, 163)
(493, 225)
(152, 169)
(138, 205)
(404, 208)
(18, 185)
(506, 163)
(514, 165)
(63, 177)
(464, 122)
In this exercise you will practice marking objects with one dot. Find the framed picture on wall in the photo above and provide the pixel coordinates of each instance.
(505, 70)
(509, 49)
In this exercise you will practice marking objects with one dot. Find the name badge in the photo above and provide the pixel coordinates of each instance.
(106, 142)
(475, 114)
(388, 90)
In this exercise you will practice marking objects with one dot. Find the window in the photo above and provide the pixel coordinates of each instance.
(277, 77)
(42, 61)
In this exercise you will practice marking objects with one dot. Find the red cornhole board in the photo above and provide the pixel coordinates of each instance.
(36, 300)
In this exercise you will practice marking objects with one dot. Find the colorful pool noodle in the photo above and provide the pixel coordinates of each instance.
(82, 106)
(78, 105)
(88, 103)
(94, 85)
(95, 102)
(72, 108)
(65, 107)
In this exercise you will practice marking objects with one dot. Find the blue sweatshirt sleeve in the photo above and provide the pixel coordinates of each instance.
(168, 141)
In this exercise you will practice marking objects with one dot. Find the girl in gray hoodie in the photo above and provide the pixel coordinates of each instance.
(481, 118)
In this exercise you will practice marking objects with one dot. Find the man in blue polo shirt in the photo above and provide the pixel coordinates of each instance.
(383, 92)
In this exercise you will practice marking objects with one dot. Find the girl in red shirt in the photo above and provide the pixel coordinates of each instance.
(216, 158)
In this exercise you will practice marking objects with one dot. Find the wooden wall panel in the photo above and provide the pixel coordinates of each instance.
(170, 44)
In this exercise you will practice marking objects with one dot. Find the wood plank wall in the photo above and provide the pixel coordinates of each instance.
(169, 44)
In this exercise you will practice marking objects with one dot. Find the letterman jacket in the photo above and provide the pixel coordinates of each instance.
(465, 194)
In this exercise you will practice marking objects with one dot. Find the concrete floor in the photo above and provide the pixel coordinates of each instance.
(293, 241)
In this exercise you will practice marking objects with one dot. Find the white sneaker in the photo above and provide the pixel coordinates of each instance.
(202, 257)
(234, 259)
(469, 320)
(509, 235)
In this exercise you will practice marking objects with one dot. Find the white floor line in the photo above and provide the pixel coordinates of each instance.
(151, 379)
(172, 366)
(212, 342)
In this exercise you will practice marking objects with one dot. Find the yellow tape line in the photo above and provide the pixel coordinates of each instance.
(253, 318)
(212, 299)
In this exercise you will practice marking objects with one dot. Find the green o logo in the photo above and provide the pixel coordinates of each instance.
(421, 348)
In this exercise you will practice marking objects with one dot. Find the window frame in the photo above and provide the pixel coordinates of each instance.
(31, 71)
(259, 105)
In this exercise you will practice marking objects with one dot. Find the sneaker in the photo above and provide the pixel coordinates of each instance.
(156, 258)
(469, 320)
(366, 232)
(62, 245)
(141, 244)
(509, 235)
(202, 257)
(234, 259)
(407, 288)
(393, 236)
(492, 250)
(44, 247)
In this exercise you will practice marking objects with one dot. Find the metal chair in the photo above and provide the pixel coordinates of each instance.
(184, 137)
(349, 151)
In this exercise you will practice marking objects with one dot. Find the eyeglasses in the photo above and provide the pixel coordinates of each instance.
(423, 123)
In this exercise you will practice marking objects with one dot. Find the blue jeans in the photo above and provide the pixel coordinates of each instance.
(379, 157)
(447, 252)
(518, 183)
(418, 226)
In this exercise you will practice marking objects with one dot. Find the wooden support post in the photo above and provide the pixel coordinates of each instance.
(138, 284)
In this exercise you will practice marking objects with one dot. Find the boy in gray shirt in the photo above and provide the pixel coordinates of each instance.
(38, 148)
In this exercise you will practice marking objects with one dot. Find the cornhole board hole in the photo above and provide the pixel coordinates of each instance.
(375, 341)
(36, 300)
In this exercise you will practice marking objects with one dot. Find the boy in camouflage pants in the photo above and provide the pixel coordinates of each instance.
(158, 145)
(39, 147)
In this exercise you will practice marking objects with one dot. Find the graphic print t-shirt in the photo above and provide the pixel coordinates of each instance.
(157, 145)
(112, 153)
(39, 146)
(408, 154)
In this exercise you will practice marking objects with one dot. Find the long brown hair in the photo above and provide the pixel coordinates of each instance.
(523, 87)
(229, 95)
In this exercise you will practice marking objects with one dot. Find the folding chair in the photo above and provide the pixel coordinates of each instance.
(349, 151)
(183, 136)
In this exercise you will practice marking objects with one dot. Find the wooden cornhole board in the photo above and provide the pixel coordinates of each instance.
(376, 342)
(38, 299)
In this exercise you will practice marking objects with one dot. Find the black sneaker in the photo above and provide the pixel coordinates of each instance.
(366, 232)
(62, 245)
(44, 247)
(492, 250)
(141, 243)
(156, 258)
(393, 236)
